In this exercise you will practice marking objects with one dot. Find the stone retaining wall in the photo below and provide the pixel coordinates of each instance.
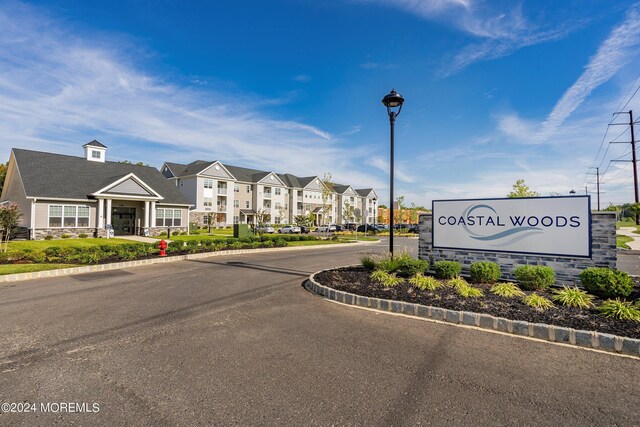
(603, 246)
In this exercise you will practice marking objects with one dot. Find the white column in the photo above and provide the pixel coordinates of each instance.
(147, 214)
(108, 211)
(153, 213)
(33, 219)
(100, 213)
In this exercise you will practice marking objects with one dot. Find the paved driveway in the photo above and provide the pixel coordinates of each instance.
(237, 340)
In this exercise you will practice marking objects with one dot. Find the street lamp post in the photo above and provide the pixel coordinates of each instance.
(572, 192)
(393, 101)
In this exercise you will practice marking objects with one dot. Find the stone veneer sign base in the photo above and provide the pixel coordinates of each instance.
(555, 334)
(567, 269)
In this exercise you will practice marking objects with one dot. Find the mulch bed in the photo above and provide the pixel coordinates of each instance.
(356, 280)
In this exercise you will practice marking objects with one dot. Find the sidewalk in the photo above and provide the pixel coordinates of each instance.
(629, 231)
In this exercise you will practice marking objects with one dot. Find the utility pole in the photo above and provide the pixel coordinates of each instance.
(633, 159)
(598, 186)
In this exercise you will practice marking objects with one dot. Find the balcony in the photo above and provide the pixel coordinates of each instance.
(222, 208)
(267, 195)
(222, 191)
(299, 198)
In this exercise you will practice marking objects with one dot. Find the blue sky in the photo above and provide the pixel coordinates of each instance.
(495, 90)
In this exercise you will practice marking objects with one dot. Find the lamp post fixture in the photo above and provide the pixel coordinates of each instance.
(572, 192)
(393, 101)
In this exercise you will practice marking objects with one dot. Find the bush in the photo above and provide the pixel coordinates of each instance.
(424, 283)
(83, 235)
(573, 297)
(35, 256)
(535, 277)
(65, 236)
(469, 291)
(622, 310)
(408, 266)
(538, 302)
(606, 283)
(392, 280)
(176, 233)
(457, 282)
(447, 269)
(484, 272)
(379, 276)
(507, 290)
(48, 237)
(368, 262)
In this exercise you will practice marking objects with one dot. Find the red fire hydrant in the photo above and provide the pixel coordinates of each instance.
(163, 246)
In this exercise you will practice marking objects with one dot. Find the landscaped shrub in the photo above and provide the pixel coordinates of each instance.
(379, 276)
(484, 272)
(424, 283)
(176, 233)
(48, 237)
(391, 280)
(618, 309)
(407, 266)
(35, 256)
(65, 236)
(468, 291)
(537, 301)
(535, 277)
(606, 283)
(192, 246)
(368, 262)
(236, 245)
(83, 235)
(457, 282)
(573, 297)
(507, 290)
(447, 269)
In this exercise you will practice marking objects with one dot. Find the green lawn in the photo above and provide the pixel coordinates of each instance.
(621, 241)
(200, 237)
(227, 232)
(83, 243)
(30, 268)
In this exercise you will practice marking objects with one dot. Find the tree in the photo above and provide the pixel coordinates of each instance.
(262, 218)
(301, 220)
(349, 211)
(327, 195)
(398, 213)
(413, 215)
(282, 210)
(520, 189)
(3, 174)
(9, 217)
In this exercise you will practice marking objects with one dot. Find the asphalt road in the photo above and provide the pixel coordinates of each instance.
(237, 340)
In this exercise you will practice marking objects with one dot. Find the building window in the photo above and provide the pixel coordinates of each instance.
(95, 154)
(208, 201)
(69, 216)
(168, 217)
(236, 188)
(208, 183)
(248, 204)
(248, 189)
(277, 220)
(236, 203)
(277, 191)
(236, 219)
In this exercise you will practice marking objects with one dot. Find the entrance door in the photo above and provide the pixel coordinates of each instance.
(123, 221)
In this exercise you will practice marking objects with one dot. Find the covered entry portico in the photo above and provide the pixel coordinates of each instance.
(128, 205)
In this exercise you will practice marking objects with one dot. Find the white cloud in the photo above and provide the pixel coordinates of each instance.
(612, 55)
(59, 89)
(502, 30)
(399, 170)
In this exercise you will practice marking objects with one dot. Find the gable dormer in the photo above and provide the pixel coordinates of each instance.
(95, 151)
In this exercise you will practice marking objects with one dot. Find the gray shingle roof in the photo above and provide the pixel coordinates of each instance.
(364, 192)
(95, 143)
(68, 177)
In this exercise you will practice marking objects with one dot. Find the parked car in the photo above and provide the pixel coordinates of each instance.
(326, 228)
(304, 229)
(339, 227)
(265, 229)
(414, 228)
(368, 227)
(289, 229)
(350, 226)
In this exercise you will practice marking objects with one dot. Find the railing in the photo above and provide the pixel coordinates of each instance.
(222, 191)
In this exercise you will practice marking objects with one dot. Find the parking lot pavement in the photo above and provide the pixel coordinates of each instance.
(237, 340)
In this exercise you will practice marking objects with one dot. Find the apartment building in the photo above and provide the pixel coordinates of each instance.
(244, 194)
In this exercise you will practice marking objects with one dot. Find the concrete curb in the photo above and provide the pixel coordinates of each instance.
(555, 334)
(9, 278)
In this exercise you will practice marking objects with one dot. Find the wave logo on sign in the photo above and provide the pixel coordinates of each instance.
(501, 238)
